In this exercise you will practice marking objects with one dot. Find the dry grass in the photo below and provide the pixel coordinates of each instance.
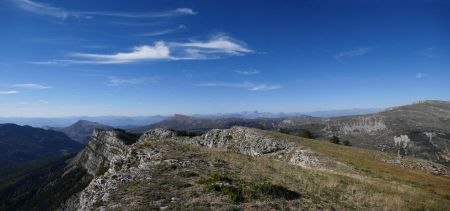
(373, 186)
(378, 185)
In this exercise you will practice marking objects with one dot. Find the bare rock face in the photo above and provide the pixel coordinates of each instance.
(130, 166)
(100, 150)
(252, 142)
(356, 126)
(244, 140)
(158, 133)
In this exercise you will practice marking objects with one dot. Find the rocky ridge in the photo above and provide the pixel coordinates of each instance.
(137, 163)
(252, 142)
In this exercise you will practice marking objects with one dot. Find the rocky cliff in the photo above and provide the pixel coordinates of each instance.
(252, 142)
(158, 170)
(102, 147)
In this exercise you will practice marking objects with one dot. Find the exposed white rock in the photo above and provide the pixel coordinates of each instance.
(402, 141)
(102, 147)
(429, 135)
(158, 133)
(361, 125)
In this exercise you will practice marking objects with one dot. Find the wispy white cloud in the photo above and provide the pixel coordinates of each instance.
(43, 9)
(244, 85)
(352, 53)
(61, 13)
(214, 48)
(31, 86)
(8, 92)
(419, 75)
(219, 44)
(158, 51)
(249, 72)
(116, 81)
(162, 14)
(163, 32)
(55, 62)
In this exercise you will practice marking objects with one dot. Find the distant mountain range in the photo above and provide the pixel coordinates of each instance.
(60, 122)
(126, 122)
(257, 114)
(200, 125)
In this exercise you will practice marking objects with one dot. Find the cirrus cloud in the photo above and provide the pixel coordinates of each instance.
(31, 86)
(61, 13)
(214, 48)
(249, 72)
(8, 92)
(244, 85)
(352, 53)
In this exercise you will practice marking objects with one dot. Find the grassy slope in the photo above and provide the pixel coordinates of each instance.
(374, 184)
(388, 184)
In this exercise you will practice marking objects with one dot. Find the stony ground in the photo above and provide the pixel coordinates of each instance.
(235, 170)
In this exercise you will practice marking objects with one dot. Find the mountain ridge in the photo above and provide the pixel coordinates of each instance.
(164, 170)
(81, 130)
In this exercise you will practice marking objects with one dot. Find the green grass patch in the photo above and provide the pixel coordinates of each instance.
(239, 191)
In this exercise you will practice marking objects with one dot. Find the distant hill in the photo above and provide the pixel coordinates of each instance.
(420, 129)
(23, 144)
(127, 122)
(200, 125)
(81, 130)
(59, 122)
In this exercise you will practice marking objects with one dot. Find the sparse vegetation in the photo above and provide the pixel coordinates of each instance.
(346, 143)
(127, 138)
(103, 170)
(185, 133)
(285, 131)
(239, 190)
(307, 134)
(334, 140)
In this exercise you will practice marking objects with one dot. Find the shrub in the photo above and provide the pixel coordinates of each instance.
(282, 130)
(307, 134)
(238, 190)
(185, 133)
(346, 143)
(187, 174)
(334, 140)
(273, 191)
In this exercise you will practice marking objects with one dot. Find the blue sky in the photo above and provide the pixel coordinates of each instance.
(67, 58)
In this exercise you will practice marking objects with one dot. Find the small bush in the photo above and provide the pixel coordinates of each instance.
(346, 143)
(185, 133)
(285, 131)
(334, 140)
(307, 134)
(187, 174)
(103, 170)
(273, 191)
(214, 178)
(238, 190)
(234, 193)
